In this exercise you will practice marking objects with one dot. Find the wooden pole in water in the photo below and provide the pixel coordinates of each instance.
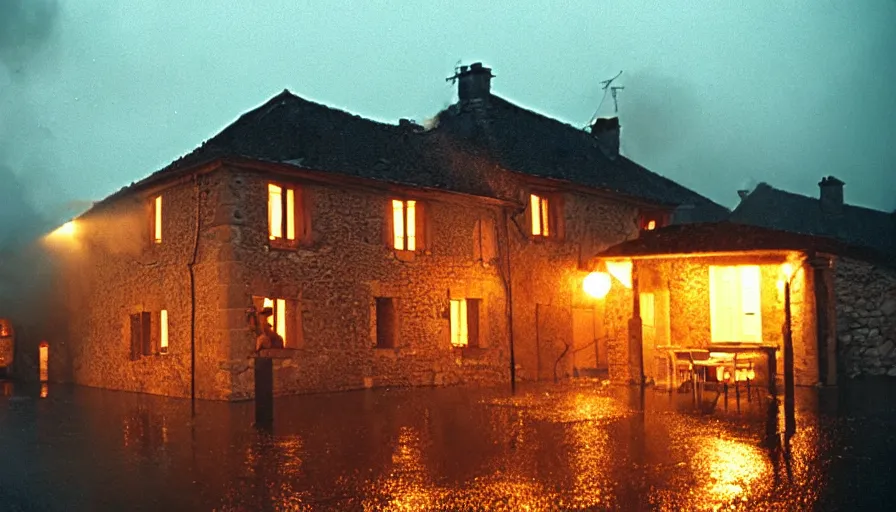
(788, 361)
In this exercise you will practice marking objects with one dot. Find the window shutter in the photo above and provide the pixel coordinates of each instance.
(303, 216)
(387, 225)
(294, 332)
(528, 219)
(135, 337)
(477, 240)
(489, 244)
(146, 333)
(424, 226)
(473, 323)
(558, 217)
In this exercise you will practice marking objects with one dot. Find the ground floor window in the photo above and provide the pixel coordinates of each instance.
(735, 303)
(386, 322)
(464, 316)
(285, 318)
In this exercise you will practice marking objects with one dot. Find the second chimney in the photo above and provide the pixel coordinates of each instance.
(830, 195)
(474, 81)
(606, 131)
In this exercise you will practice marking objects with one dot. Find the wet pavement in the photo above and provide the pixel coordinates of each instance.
(579, 446)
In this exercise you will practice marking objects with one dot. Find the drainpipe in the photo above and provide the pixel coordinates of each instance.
(508, 285)
(193, 297)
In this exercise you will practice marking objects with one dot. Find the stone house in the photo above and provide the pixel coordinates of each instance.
(711, 285)
(390, 255)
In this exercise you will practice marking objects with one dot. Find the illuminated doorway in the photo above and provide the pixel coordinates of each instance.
(44, 358)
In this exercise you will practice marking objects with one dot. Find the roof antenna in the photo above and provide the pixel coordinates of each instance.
(457, 71)
(613, 89)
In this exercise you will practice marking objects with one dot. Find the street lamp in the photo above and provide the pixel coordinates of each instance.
(597, 284)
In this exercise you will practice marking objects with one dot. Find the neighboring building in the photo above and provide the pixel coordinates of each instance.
(390, 255)
(708, 285)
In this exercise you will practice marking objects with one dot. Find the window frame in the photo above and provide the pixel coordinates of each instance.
(469, 320)
(660, 218)
(300, 216)
(389, 333)
(551, 207)
(156, 220)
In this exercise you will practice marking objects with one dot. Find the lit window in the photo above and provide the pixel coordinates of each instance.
(459, 331)
(157, 220)
(735, 303)
(163, 331)
(278, 319)
(540, 215)
(464, 317)
(281, 213)
(651, 225)
(404, 225)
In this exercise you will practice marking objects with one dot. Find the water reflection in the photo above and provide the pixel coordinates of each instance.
(545, 448)
(44, 390)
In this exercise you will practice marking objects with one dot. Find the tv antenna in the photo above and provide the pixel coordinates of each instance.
(607, 86)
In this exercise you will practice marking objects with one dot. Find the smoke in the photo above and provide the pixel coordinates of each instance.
(27, 30)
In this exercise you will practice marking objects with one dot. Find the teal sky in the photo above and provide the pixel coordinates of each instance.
(718, 95)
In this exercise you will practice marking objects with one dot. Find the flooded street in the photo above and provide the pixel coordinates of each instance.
(569, 447)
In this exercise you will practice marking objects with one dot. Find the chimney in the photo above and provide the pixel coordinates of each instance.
(831, 195)
(473, 82)
(606, 131)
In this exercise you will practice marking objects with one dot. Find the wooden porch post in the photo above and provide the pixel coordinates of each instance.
(635, 334)
(826, 320)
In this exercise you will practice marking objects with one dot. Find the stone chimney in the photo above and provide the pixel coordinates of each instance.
(606, 131)
(473, 82)
(830, 195)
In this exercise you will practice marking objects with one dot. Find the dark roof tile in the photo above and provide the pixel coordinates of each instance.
(857, 226)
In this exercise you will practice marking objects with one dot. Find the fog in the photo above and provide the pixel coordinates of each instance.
(95, 95)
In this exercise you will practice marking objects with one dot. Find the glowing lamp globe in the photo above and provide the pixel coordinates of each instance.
(597, 284)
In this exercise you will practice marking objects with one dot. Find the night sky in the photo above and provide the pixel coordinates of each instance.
(97, 94)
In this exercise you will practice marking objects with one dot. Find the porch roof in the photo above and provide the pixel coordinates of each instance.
(725, 237)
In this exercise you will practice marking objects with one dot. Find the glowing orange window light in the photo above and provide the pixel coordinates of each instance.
(459, 332)
(157, 221)
(290, 214)
(404, 225)
(43, 361)
(275, 212)
(278, 319)
(651, 225)
(163, 331)
(540, 220)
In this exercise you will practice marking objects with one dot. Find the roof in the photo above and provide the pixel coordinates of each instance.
(530, 143)
(855, 226)
(718, 237)
(294, 131)
(730, 237)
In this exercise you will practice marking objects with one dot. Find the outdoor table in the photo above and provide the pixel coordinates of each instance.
(769, 349)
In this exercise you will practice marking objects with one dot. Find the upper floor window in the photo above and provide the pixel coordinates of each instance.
(541, 215)
(651, 220)
(404, 225)
(545, 215)
(157, 220)
(288, 219)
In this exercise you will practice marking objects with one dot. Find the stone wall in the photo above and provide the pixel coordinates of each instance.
(109, 269)
(335, 278)
(866, 318)
(346, 264)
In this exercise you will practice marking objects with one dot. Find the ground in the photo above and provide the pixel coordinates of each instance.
(549, 447)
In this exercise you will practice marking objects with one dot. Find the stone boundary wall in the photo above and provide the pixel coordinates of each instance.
(866, 318)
